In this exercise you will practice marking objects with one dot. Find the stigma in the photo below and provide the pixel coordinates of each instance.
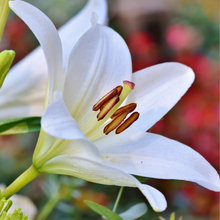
(108, 107)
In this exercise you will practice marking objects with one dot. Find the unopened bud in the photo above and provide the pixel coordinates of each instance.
(6, 59)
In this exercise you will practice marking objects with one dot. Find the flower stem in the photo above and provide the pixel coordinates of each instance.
(118, 199)
(48, 208)
(26, 177)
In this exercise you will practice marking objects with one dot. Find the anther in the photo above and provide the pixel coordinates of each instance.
(106, 107)
(127, 123)
(108, 96)
(104, 99)
(119, 89)
(115, 123)
(128, 108)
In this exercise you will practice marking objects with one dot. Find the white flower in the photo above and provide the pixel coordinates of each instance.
(23, 91)
(26, 205)
(77, 146)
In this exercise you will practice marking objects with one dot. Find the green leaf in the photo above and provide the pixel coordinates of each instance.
(20, 125)
(134, 212)
(172, 216)
(103, 211)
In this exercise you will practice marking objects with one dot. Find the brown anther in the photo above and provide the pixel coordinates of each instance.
(105, 98)
(115, 123)
(119, 89)
(128, 122)
(128, 108)
(106, 107)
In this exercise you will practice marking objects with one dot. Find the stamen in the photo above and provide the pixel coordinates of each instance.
(105, 98)
(106, 107)
(128, 108)
(128, 122)
(115, 123)
(119, 89)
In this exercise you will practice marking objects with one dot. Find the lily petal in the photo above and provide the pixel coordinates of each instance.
(134, 212)
(78, 148)
(16, 102)
(157, 90)
(99, 62)
(58, 122)
(32, 77)
(47, 35)
(155, 156)
(80, 23)
(99, 173)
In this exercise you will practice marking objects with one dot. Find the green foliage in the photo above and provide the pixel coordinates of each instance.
(172, 217)
(141, 179)
(194, 16)
(103, 211)
(5, 206)
(20, 125)
(132, 213)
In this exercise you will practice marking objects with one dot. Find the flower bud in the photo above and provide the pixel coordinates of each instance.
(6, 58)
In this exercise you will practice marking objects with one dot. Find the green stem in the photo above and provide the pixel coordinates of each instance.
(26, 177)
(4, 11)
(48, 208)
(118, 199)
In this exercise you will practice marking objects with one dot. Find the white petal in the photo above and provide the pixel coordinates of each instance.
(47, 35)
(134, 212)
(26, 205)
(15, 101)
(79, 24)
(58, 122)
(99, 62)
(79, 148)
(152, 155)
(157, 90)
(100, 173)
(23, 91)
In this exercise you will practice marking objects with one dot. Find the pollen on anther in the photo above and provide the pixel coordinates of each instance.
(104, 99)
(107, 97)
(106, 107)
(127, 123)
(128, 108)
(115, 123)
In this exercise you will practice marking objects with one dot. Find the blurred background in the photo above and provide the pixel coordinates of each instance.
(185, 31)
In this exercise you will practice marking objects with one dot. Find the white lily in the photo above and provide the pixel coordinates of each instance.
(24, 89)
(77, 146)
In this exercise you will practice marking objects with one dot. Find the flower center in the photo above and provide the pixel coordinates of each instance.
(108, 107)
